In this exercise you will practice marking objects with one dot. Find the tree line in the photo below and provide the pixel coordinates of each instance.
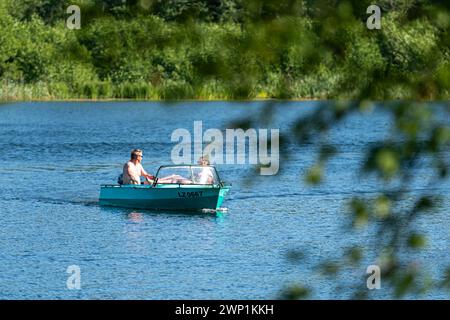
(223, 49)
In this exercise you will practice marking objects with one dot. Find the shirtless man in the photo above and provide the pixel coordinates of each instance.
(133, 170)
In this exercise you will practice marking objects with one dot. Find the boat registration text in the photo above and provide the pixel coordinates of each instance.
(193, 194)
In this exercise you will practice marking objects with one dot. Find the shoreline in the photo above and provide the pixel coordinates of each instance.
(163, 100)
(168, 101)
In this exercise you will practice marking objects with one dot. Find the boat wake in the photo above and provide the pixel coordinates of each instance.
(56, 201)
(218, 210)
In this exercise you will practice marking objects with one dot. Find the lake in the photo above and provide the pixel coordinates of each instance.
(55, 156)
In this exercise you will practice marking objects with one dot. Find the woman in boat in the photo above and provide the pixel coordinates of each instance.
(174, 178)
(205, 176)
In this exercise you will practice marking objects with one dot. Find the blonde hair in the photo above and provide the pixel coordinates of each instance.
(204, 158)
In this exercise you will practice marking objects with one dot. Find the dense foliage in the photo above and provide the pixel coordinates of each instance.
(224, 49)
(153, 49)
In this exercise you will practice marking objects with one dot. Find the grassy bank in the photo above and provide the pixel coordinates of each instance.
(11, 91)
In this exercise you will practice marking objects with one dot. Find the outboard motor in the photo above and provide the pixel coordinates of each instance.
(120, 179)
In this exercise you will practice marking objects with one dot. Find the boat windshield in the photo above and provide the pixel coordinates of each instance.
(188, 175)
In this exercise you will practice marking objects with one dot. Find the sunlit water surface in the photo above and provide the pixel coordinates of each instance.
(55, 156)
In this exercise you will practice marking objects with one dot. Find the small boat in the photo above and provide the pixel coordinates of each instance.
(176, 187)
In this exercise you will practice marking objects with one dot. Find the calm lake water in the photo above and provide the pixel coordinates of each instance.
(55, 156)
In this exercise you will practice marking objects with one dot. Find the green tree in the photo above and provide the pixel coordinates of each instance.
(48, 10)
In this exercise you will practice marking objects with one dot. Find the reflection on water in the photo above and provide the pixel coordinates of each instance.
(135, 230)
(136, 217)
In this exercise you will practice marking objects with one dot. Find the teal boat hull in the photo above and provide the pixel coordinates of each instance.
(164, 197)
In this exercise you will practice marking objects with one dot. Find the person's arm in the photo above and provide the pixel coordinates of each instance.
(210, 176)
(145, 174)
